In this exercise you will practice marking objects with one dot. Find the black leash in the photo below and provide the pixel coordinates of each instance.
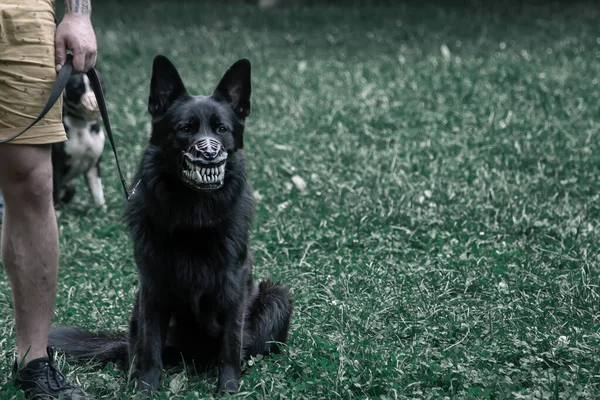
(59, 85)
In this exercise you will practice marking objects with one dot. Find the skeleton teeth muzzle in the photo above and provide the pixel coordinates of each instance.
(203, 165)
(204, 174)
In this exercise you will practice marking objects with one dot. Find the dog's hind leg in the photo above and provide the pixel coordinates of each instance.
(267, 319)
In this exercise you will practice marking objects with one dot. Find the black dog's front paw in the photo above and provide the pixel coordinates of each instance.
(230, 387)
(145, 389)
(228, 380)
(148, 383)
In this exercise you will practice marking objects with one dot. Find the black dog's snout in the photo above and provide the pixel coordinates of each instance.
(209, 148)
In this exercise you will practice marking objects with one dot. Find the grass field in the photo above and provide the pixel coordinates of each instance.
(447, 242)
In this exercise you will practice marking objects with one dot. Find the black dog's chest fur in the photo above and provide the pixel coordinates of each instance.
(200, 251)
(201, 266)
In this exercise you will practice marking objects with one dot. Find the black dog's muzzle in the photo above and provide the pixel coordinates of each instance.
(203, 164)
(208, 148)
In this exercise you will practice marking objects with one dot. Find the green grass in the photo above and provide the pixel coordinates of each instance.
(447, 243)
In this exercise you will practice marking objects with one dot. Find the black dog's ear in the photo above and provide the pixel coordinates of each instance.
(165, 87)
(235, 88)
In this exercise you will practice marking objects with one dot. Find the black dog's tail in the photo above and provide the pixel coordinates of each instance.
(85, 345)
(267, 319)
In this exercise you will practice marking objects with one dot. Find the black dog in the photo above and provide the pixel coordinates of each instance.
(81, 153)
(189, 219)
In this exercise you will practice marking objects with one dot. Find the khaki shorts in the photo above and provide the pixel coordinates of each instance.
(27, 71)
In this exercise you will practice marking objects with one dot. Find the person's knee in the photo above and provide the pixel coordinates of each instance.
(29, 184)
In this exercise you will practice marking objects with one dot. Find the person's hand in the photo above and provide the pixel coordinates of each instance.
(75, 33)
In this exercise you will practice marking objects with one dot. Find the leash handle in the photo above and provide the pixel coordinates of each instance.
(59, 85)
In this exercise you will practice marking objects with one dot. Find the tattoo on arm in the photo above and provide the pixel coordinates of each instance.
(78, 6)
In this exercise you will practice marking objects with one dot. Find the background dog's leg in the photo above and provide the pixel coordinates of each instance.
(94, 183)
(229, 360)
(58, 166)
(66, 193)
(56, 191)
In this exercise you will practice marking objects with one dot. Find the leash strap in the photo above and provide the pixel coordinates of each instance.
(95, 81)
(59, 85)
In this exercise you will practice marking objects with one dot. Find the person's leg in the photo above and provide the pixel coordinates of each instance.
(29, 238)
(29, 242)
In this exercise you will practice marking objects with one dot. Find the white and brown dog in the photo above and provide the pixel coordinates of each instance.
(81, 153)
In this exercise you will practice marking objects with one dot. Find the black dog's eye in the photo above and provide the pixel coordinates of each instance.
(222, 129)
(185, 129)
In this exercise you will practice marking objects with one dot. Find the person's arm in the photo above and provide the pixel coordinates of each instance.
(78, 6)
(75, 33)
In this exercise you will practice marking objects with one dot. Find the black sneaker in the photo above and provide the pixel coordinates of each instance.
(41, 380)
